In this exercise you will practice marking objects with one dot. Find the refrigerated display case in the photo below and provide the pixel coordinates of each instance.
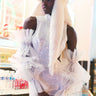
(12, 19)
(0, 12)
(13, 13)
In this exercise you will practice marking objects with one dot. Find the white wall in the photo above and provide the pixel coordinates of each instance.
(29, 7)
(83, 25)
(93, 36)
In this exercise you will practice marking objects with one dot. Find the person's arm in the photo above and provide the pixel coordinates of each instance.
(30, 23)
(72, 38)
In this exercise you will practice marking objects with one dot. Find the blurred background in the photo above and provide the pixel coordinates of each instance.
(12, 15)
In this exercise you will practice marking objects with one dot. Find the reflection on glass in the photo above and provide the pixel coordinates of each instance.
(13, 13)
(0, 11)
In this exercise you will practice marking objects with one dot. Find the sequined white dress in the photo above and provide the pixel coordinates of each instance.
(31, 62)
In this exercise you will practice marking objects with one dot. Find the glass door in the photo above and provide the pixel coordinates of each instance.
(13, 13)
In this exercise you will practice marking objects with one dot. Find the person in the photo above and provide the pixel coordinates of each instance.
(48, 58)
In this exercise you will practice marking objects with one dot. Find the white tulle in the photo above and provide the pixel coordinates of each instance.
(59, 18)
(26, 58)
(32, 58)
(71, 70)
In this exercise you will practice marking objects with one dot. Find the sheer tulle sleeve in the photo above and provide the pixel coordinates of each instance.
(26, 60)
(74, 76)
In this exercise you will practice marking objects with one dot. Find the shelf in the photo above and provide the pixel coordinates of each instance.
(8, 68)
(8, 47)
(5, 65)
(14, 92)
(4, 38)
(8, 43)
(22, 91)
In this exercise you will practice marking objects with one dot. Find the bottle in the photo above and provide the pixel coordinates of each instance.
(2, 85)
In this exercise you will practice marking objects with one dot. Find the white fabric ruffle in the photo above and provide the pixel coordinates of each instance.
(26, 60)
(69, 75)
(74, 76)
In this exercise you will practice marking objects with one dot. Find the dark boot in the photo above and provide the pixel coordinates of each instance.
(43, 94)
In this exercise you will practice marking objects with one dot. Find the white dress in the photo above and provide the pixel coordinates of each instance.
(32, 59)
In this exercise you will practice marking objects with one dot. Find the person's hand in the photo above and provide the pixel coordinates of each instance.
(43, 94)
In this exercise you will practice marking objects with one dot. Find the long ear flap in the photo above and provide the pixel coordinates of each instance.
(67, 15)
(38, 11)
(58, 36)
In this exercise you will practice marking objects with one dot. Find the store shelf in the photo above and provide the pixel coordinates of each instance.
(14, 92)
(3, 38)
(24, 91)
(5, 65)
(8, 43)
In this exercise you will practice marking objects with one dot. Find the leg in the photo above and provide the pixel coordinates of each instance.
(32, 89)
